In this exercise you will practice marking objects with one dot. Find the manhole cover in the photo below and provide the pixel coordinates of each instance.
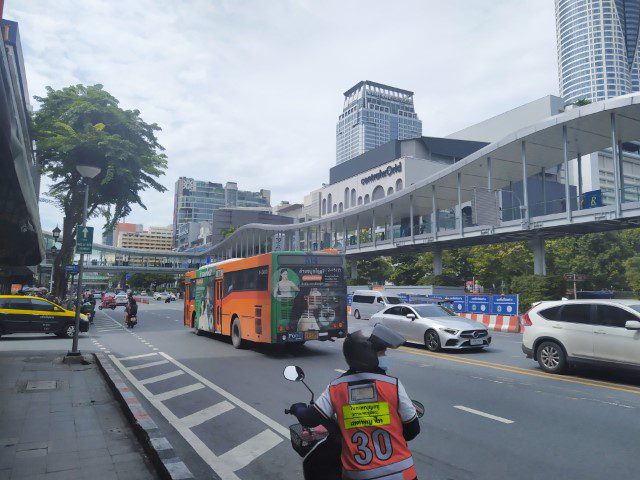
(41, 385)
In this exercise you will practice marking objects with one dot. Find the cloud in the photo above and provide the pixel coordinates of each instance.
(250, 91)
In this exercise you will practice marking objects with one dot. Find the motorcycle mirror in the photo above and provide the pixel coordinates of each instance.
(419, 408)
(293, 373)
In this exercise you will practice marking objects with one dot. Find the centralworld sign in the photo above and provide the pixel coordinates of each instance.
(387, 172)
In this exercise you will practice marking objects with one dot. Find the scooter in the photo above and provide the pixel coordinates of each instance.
(131, 321)
(88, 309)
(320, 447)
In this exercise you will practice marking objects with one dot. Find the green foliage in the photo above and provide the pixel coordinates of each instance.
(494, 264)
(632, 273)
(534, 288)
(84, 125)
(142, 281)
(227, 232)
(375, 270)
(411, 269)
(582, 102)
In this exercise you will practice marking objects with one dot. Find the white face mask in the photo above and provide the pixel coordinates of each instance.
(383, 363)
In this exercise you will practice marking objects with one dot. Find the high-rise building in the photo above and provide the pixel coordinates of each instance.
(597, 48)
(196, 200)
(156, 238)
(122, 228)
(374, 114)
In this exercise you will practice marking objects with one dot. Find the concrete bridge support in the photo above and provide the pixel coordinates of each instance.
(437, 261)
(539, 257)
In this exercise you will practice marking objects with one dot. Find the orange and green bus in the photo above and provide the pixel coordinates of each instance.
(278, 297)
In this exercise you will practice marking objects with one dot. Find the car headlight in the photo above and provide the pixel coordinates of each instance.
(451, 331)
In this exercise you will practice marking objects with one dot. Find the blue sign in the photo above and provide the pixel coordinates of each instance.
(459, 303)
(478, 303)
(72, 268)
(349, 298)
(504, 304)
(208, 260)
(592, 199)
(127, 276)
(404, 297)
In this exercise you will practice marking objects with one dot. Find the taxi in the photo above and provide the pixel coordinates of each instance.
(24, 314)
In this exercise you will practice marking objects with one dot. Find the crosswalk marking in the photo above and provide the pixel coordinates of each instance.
(150, 364)
(178, 391)
(205, 414)
(133, 357)
(159, 378)
(242, 455)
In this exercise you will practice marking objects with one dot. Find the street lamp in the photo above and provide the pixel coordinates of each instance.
(54, 252)
(87, 172)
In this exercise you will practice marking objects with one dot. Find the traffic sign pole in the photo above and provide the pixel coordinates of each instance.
(74, 346)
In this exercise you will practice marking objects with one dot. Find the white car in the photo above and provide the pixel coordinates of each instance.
(143, 293)
(163, 296)
(367, 302)
(434, 326)
(561, 333)
(121, 298)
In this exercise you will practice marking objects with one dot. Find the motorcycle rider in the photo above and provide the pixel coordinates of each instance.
(131, 308)
(375, 416)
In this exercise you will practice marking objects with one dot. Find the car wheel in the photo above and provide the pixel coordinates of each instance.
(69, 330)
(551, 357)
(356, 315)
(236, 334)
(432, 340)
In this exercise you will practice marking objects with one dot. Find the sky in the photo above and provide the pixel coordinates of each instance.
(250, 91)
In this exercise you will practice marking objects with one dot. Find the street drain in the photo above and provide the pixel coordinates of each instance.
(37, 385)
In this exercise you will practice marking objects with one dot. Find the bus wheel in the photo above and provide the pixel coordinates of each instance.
(236, 335)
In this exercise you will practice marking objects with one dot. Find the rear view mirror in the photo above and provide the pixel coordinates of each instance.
(293, 373)
(419, 408)
(632, 325)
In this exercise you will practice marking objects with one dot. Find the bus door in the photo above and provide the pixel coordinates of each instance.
(218, 305)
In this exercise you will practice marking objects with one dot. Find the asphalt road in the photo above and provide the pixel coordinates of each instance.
(492, 414)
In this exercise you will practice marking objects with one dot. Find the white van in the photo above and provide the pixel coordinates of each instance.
(367, 302)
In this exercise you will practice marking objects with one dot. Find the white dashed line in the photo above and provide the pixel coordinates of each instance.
(483, 414)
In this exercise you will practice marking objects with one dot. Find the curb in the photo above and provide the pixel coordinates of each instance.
(498, 323)
(164, 458)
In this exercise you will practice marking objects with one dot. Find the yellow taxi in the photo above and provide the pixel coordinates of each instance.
(24, 314)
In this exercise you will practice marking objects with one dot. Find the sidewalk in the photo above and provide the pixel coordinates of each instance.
(61, 421)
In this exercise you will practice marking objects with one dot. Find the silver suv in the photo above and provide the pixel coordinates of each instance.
(561, 333)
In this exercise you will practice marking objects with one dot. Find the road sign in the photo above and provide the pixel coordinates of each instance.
(84, 239)
(72, 268)
(592, 199)
(127, 276)
(478, 303)
(575, 277)
(459, 303)
(504, 304)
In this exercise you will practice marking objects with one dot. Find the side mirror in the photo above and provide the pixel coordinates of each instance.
(411, 316)
(293, 373)
(632, 325)
(419, 408)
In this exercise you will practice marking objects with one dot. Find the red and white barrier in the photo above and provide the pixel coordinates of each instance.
(498, 323)
(141, 299)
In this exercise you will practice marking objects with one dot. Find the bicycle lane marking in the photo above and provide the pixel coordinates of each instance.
(223, 465)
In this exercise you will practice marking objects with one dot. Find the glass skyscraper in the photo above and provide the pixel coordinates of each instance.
(374, 114)
(597, 48)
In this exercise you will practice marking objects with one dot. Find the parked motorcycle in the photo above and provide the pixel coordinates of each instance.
(320, 447)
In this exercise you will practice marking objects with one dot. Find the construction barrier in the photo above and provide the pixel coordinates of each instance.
(498, 323)
(141, 299)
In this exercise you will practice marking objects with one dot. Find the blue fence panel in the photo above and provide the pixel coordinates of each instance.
(504, 304)
(478, 303)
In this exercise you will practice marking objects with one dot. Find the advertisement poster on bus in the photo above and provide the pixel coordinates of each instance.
(308, 298)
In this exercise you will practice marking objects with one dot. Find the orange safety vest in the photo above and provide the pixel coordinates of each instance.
(366, 405)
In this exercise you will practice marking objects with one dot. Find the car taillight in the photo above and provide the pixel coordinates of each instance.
(526, 320)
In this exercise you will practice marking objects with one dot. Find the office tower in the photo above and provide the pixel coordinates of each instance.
(597, 48)
(374, 114)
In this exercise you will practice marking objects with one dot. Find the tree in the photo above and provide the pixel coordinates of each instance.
(227, 232)
(84, 125)
(374, 270)
(632, 273)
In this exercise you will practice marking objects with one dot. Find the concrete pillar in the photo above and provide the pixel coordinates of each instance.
(354, 269)
(358, 231)
(539, 260)
(565, 159)
(411, 218)
(579, 162)
(621, 168)
(391, 221)
(434, 207)
(489, 174)
(525, 192)
(460, 204)
(373, 227)
(544, 190)
(437, 261)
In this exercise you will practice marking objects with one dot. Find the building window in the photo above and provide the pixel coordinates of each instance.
(324, 206)
(398, 184)
(353, 197)
(359, 200)
(366, 199)
(377, 194)
(346, 198)
(389, 191)
(335, 208)
(340, 207)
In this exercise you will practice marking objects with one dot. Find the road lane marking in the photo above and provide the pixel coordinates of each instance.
(205, 414)
(282, 430)
(150, 364)
(242, 455)
(483, 414)
(178, 391)
(210, 458)
(159, 378)
(522, 371)
(133, 357)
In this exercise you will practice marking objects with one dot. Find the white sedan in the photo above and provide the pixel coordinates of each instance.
(434, 326)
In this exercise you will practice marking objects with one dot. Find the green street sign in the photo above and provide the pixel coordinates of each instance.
(84, 239)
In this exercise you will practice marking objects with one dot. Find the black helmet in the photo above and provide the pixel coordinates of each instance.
(361, 351)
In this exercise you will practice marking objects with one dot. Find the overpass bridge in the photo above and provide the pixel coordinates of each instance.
(432, 213)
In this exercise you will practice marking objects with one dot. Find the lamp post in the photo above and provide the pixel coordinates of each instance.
(87, 172)
(54, 251)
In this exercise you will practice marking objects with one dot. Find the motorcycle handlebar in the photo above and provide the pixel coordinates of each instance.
(287, 412)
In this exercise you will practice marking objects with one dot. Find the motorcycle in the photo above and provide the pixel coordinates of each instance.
(88, 309)
(320, 447)
(108, 302)
(130, 321)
